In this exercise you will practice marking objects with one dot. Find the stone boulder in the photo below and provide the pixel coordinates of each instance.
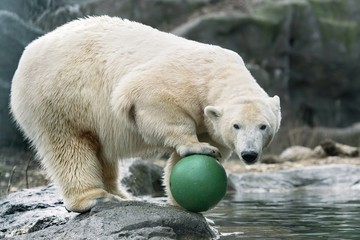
(313, 136)
(30, 210)
(144, 178)
(39, 214)
(328, 176)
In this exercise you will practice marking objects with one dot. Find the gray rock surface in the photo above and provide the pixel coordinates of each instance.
(340, 176)
(144, 178)
(31, 210)
(131, 220)
(39, 213)
(310, 137)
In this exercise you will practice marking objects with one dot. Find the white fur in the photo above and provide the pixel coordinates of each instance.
(101, 89)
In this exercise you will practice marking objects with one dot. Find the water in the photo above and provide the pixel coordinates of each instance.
(302, 214)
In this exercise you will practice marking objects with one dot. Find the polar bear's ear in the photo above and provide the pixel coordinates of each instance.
(212, 112)
(277, 110)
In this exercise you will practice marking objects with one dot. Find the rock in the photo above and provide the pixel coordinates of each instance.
(131, 220)
(49, 14)
(39, 214)
(322, 43)
(326, 148)
(46, 14)
(27, 10)
(144, 178)
(30, 210)
(15, 34)
(160, 14)
(332, 148)
(313, 136)
(328, 52)
(339, 175)
(270, 159)
(298, 153)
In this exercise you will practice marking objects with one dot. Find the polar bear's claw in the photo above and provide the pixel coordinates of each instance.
(200, 148)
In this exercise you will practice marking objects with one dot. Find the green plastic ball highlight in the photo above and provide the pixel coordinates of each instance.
(198, 182)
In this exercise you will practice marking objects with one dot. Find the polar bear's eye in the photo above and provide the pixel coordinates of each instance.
(263, 127)
(236, 126)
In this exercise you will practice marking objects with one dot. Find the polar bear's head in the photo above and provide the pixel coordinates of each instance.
(245, 126)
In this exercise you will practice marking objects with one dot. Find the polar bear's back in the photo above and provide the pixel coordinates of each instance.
(107, 47)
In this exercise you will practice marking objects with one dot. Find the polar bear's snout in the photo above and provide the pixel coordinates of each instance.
(249, 157)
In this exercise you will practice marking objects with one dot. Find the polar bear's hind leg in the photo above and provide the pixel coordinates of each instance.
(74, 165)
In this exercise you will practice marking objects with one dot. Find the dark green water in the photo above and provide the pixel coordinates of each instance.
(302, 214)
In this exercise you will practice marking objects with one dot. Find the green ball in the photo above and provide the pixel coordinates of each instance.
(198, 182)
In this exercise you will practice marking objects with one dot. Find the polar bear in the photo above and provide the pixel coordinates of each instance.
(100, 89)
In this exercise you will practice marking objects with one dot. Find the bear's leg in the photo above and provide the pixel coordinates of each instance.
(174, 158)
(75, 168)
(163, 124)
(111, 179)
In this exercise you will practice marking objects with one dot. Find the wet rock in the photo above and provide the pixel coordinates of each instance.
(341, 176)
(39, 213)
(130, 220)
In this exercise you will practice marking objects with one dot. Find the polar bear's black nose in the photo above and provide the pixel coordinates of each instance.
(249, 157)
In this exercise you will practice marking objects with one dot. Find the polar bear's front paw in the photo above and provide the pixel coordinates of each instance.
(198, 148)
